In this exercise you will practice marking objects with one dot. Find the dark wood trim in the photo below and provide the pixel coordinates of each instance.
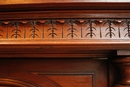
(60, 48)
(124, 65)
(65, 6)
(89, 44)
(61, 14)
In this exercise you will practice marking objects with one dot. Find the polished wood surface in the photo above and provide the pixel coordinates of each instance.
(123, 64)
(64, 43)
(55, 1)
(66, 29)
(53, 72)
(35, 33)
(65, 6)
(64, 14)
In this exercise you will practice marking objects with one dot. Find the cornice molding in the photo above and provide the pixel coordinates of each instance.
(18, 7)
(64, 29)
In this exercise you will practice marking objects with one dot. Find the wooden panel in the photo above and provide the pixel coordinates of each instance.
(10, 82)
(69, 80)
(55, 72)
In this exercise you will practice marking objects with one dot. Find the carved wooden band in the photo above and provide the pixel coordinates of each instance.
(66, 28)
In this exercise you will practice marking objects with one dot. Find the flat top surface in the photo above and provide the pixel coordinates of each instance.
(3, 2)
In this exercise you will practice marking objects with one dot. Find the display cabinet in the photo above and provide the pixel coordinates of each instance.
(64, 43)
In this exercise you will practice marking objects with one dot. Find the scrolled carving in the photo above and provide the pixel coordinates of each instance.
(127, 29)
(52, 28)
(8, 82)
(16, 29)
(33, 29)
(110, 29)
(72, 29)
(90, 28)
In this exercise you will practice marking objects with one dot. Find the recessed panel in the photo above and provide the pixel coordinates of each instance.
(70, 80)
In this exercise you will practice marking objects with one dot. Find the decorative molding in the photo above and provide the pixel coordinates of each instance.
(66, 28)
(59, 79)
(63, 5)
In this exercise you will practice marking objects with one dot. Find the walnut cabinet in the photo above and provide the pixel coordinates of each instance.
(72, 43)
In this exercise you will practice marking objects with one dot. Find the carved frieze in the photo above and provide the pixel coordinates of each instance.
(66, 28)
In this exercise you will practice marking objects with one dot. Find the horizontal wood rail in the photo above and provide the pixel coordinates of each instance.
(43, 6)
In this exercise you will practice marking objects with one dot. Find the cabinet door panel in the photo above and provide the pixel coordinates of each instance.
(56, 72)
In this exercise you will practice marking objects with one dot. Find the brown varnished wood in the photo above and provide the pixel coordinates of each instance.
(64, 37)
(72, 81)
(11, 82)
(28, 30)
(57, 1)
(61, 14)
(56, 72)
(123, 64)
(67, 48)
(65, 29)
(65, 6)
